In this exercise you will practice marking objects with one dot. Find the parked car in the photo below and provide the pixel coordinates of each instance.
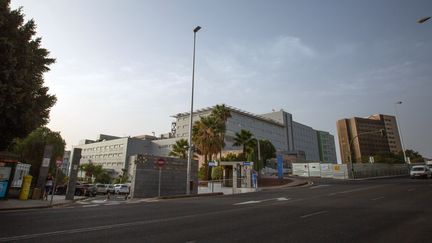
(419, 171)
(110, 188)
(121, 189)
(89, 190)
(101, 188)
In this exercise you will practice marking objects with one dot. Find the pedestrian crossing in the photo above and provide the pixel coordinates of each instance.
(87, 203)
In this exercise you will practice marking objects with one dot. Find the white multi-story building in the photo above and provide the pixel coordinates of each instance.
(278, 127)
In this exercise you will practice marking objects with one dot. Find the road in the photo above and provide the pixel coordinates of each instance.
(385, 210)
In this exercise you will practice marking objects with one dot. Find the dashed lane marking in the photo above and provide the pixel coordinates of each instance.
(378, 198)
(313, 214)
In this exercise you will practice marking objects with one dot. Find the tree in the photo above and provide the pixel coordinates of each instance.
(92, 170)
(207, 139)
(246, 140)
(180, 149)
(415, 157)
(217, 173)
(31, 148)
(24, 101)
(267, 150)
(221, 113)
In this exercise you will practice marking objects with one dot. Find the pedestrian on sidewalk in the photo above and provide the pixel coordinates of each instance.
(48, 186)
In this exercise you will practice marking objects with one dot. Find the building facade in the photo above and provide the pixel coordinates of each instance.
(360, 138)
(278, 127)
(326, 146)
(113, 152)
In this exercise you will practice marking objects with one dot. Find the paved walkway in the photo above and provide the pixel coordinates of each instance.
(14, 204)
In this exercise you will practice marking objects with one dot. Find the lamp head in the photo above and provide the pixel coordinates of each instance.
(422, 20)
(197, 29)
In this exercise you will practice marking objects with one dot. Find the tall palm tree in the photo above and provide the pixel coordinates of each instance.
(180, 149)
(221, 113)
(246, 140)
(206, 138)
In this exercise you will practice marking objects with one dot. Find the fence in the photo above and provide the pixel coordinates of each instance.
(343, 171)
(224, 186)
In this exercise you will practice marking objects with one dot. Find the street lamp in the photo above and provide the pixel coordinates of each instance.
(422, 20)
(191, 115)
(399, 130)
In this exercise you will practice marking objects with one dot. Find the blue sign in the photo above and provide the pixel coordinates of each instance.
(279, 160)
(246, 163)
(3, 188)
(254, 179)
(211, 163)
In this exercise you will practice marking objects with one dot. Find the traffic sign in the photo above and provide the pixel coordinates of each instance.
(160, 162)
(58, 163)
(246, 163)
(211, 163)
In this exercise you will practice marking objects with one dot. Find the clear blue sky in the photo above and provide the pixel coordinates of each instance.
(123, 67)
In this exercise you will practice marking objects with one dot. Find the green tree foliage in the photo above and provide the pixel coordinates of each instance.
(206, 138)
(217, 173)
(31, 148)
(180, 149)
(202, 173)
(92, 170)
(415, 157)
(246, 140)
(24, 101)
(221, 114)
(267, 150)
(391, 158)
(232, 157)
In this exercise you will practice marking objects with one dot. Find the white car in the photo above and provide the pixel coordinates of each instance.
(121, 189)
(418, 171)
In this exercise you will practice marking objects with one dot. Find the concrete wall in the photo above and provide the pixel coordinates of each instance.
(173, 177)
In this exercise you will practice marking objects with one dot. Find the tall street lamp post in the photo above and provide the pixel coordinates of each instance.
(400, 131)
(190, 152)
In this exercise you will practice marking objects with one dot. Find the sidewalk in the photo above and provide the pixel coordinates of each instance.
(15, 204)
(294, 183)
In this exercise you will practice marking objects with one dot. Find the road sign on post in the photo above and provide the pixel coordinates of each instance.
(160, 162)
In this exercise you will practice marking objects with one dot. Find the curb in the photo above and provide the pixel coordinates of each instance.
(42, 206)
(378, 177)
(291, 184)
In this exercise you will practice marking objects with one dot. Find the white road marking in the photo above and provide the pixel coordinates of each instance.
(82, 202)
(378, 198)
(91, 205)
(283, 199)
(248, 202)
(265, 200)
(313, 214)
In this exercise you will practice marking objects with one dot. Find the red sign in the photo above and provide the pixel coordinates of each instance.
(160, 162)
(59, 162)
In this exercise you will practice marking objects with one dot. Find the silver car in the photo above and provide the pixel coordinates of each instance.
(420, 171)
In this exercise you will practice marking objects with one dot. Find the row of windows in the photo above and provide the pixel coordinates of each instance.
(102, 156)
(104, 147)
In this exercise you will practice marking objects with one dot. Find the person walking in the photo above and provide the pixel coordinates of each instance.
(48, 186)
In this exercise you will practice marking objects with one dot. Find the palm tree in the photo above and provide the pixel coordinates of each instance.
(206, 138)
(221, 113)
(180, 149)
(246, 140)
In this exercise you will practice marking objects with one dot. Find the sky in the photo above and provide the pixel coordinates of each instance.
(125, 67)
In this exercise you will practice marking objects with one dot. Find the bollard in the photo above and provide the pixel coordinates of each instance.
(25, 188)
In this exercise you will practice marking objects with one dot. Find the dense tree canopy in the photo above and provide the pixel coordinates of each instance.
(24, 101)
(31, 148)
(180, 149)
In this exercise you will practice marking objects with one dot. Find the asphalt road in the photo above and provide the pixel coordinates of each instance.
(385, 210)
